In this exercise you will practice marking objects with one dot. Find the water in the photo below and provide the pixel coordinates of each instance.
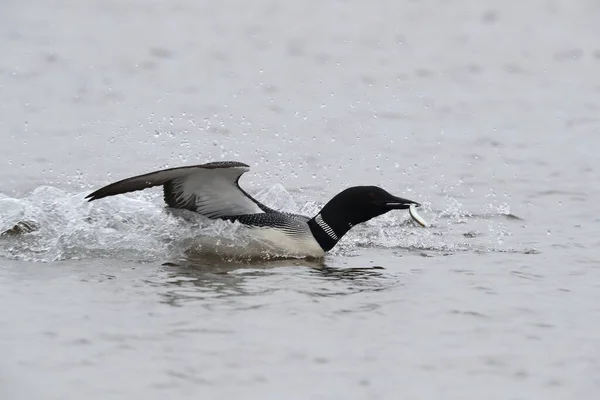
(487, 113)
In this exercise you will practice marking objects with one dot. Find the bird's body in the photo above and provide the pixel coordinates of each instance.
(213, 190)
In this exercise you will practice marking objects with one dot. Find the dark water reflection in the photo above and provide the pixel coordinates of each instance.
(193, 279)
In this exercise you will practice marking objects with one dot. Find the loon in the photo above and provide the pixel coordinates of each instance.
(213, 190)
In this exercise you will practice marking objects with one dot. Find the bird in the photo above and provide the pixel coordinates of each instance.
(212, 190)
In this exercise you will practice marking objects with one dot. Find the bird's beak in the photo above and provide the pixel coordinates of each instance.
(398, 203)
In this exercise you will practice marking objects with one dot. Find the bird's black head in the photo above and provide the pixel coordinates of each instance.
(361, 203)
(353, 206)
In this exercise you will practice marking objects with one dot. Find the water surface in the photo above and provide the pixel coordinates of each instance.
(487, 113)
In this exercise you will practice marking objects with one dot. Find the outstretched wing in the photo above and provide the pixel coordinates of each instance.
(210, 189)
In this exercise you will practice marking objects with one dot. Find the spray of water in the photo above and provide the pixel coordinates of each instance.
(50, 224)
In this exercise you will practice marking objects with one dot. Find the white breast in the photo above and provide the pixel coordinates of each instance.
(282, 243)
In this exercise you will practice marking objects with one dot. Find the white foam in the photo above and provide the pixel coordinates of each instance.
(138, 227)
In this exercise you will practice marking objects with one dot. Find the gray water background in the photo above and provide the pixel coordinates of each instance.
(487, 112)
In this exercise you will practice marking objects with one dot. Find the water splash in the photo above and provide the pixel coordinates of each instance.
(51, 224)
